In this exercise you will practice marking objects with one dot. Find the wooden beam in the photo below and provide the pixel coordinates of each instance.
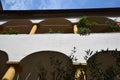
(75, 29)
(14, 67)
(33, 30)
(9, 75)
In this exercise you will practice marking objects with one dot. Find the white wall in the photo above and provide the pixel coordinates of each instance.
(18, 46)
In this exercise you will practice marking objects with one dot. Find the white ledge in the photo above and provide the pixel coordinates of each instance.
(19, 46)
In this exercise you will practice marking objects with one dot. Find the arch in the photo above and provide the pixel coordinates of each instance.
(3, 65)
(56, 25)
(21, 26)
(101, 25)
(99, 19)
(104, 65)
(46, 65)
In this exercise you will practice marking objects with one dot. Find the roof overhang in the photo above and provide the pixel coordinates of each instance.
(1, 5)
(39, 14)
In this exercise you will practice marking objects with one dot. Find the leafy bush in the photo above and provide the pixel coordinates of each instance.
(84, 22)
(84, 31)
(113, 26)
(99, 70)
(84, 25)
(9, 32)
(53, 31)
(72, 56)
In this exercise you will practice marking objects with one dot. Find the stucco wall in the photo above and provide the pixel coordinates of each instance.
(18, 46)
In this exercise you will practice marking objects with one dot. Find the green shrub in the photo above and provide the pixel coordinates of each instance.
(84, 25)
(9, 32)
(113, 26)
(84, 30)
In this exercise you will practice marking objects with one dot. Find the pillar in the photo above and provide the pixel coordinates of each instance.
(33, 30)
(75, 29)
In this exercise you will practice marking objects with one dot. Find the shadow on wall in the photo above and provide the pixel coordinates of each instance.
(3, 60)
(50, 25)
(55, 25)
(46, 65)
(19, 26)
(52, 65)
(104, 65)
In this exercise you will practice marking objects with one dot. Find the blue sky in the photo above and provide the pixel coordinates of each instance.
(57, 4)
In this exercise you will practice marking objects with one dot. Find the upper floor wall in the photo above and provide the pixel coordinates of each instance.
(96, 24)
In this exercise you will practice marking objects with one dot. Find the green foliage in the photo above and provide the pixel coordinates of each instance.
(113, 26)
(84, 25)
(42, 72)
(84, 22)
(83, 30)
(80, 67)
(88, 54)
(59, 69)
(87, 26)
(81, 72)
(100, 73)
(52, 31)
(72, 57)
(9, 32)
